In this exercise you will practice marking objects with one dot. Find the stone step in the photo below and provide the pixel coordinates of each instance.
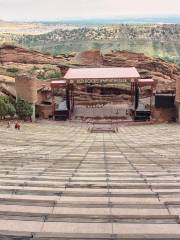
(62, 182)
(32, 214)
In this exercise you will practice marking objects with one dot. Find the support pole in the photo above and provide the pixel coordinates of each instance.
(33, 117)
(178, 111)
(53, 103)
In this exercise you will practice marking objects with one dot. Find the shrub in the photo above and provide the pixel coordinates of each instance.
(23, 109)
(12, 101)
(55, 75)
(11, 111)
(7, 106)
(34, 68)
(3, 108)
(12, 70)
(173, 59)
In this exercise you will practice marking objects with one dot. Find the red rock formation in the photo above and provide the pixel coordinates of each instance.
(90, 57)
(10, 53)
(164, 73)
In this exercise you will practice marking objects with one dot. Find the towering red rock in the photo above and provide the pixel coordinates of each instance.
(89, 57)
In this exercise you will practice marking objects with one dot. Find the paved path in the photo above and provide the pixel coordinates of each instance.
(58, 181)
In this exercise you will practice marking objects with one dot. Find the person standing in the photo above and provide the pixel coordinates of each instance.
(9, 124)
(17, 126)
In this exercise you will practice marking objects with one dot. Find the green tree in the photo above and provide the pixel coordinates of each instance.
(3, 108)
(11, 111)
(5, 99)
(23, 109)
(12, 101)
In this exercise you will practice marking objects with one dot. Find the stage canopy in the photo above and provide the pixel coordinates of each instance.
(86, 75)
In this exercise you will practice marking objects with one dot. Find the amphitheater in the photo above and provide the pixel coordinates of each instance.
(59, 181)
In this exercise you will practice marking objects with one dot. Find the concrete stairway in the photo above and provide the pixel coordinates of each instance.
(118, 111)
(62, 182)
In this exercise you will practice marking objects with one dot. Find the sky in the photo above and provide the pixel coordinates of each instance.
(31, 10)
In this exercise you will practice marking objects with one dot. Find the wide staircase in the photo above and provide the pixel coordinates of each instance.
(59, 181)
(119, 111)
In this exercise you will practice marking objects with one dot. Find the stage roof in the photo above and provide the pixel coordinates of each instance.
(102, 73)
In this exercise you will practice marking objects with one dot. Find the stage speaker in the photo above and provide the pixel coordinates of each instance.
(67, 99)
(142, 116)
(164, 101)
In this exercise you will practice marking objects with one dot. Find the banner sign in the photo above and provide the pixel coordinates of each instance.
(95, 106)
(100, 81)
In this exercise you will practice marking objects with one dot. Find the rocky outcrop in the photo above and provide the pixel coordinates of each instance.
(163, 72)
(6, 79)
(14, 54)
(90, 57)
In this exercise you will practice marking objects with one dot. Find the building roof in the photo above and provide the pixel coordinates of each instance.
(58, 83)
(101, 73)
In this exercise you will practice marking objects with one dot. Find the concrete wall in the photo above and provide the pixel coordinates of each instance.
(164, 114)
(178, 111)
(26, 88)
(44, 111)
(178, 90)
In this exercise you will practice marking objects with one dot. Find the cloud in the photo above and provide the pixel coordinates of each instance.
(59, 9)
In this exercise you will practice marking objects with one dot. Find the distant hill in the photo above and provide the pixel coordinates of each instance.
(175, 19)
(159, 40)
(12, 27)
